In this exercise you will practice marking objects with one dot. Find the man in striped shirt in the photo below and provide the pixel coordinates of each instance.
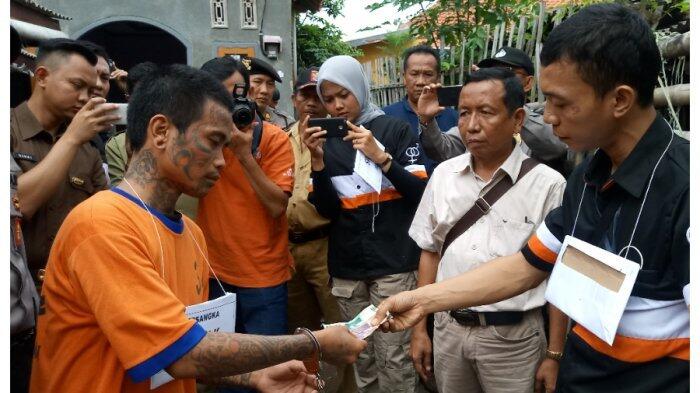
(599, 71)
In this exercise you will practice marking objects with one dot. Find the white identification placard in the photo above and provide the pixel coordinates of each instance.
(368, 170)
(592, 286)
(218, 315)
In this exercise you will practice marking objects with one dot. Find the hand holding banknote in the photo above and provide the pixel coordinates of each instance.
(361, 326)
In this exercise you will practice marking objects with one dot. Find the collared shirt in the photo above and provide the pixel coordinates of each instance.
(653, 337)
(539, 141)
(454, 188)
(30, 144)
(301, 214)
(278, 118)
(444, 120)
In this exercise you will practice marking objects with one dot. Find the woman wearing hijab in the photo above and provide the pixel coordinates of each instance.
(370, 255)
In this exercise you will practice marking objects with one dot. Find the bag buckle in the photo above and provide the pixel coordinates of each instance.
(483, 205)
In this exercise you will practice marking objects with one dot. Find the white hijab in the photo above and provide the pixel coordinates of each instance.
(347, 72)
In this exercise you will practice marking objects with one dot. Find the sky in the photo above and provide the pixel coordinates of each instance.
(355, 17)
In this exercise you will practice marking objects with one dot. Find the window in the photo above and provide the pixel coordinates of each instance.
(218, 14)
(249, 14)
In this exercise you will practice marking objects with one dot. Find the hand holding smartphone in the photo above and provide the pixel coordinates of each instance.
(335, 127)
(449, 95)
(121, 112)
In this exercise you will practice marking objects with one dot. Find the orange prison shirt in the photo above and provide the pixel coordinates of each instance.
(247, 247)
(111, 316)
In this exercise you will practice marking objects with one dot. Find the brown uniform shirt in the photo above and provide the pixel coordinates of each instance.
(301, 214)
(30, 143)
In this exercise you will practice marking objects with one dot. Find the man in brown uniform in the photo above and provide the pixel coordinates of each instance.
(310, 301)
(49, 141)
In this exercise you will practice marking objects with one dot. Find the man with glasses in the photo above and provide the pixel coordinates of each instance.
(538, 139)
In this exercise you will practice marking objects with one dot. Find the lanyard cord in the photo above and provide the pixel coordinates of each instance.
(629, 245)
(206, 260)
(155, 227)
(160, 243)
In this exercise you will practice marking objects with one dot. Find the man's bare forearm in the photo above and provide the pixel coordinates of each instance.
(558, 326)
(272, 197)
(230, 354)
(427, 273)
(243, 381)
(497, 280)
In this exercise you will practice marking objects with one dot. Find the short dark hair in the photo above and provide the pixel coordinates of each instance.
(64, 47)
(223, 67)
(425, 49)
(98, 50)
(276, 95)
(176, 91)
(611, 45)
(514, 95)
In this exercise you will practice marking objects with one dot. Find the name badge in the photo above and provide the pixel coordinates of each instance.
(592, 286)
(218, 315)
(24, 157)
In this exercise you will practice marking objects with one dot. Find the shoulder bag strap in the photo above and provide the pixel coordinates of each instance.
(483, 204)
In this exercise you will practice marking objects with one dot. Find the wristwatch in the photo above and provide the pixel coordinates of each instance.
(554, 355)
(389, 158)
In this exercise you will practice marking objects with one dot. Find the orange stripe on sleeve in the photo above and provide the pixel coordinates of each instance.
(420, 174)
(636, 350)
(540, 250)
(369, 198)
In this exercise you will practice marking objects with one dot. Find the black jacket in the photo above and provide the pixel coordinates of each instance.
(369, 231)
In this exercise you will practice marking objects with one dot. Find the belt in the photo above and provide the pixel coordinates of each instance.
(303, 237)
(467, 317)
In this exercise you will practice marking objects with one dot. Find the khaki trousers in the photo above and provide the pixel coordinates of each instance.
(489, 359)
(385, 365)
(310, 303)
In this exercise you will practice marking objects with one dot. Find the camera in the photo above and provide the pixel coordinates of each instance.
(243, 109)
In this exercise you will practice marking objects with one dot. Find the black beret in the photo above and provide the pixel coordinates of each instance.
(258, 66)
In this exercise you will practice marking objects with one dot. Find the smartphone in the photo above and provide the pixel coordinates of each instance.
(336, 127)
(121, 112)
(449, 95)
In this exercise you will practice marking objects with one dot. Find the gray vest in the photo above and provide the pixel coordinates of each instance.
(24, 300)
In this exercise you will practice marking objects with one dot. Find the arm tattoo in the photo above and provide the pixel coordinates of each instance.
(242, 380)
(224, 354)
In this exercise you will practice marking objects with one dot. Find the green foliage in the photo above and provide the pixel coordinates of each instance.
(448, 23)
(318, 39)
(395, 43)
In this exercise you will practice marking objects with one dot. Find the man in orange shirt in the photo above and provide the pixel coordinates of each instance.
(244, 222)
(125, 265)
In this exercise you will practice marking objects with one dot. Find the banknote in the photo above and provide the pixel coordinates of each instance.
(361, 325)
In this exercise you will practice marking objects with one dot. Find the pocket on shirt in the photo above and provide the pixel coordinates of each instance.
(508, 236)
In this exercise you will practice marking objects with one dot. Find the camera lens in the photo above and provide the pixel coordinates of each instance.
(242, 116)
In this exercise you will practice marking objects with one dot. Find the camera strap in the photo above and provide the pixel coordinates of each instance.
(257, 136)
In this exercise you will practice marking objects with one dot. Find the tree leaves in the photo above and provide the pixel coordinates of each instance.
(318, 39)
